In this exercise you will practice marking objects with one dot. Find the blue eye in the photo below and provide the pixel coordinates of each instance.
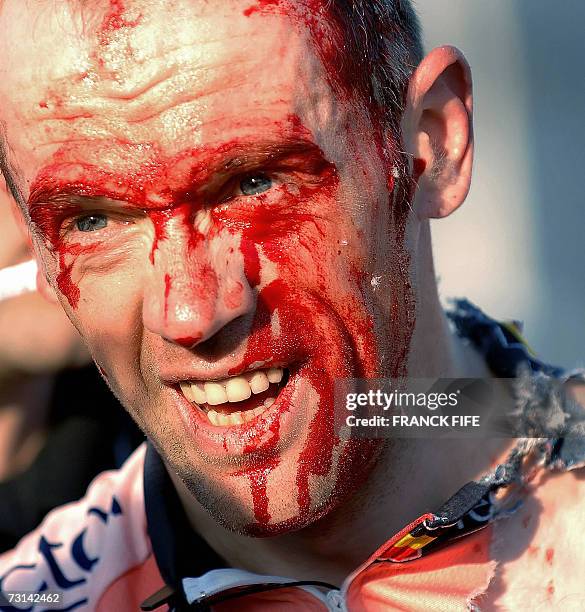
(91, 223)
(255, 184)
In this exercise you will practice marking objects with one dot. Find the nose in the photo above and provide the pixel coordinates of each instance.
(196, 288)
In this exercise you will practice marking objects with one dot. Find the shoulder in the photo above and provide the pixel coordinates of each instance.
(81, 548)
(539, 549)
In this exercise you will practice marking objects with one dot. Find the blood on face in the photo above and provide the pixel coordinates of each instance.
(266, 231)
(278, 231)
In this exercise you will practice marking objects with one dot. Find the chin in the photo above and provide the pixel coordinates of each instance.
(231, 502)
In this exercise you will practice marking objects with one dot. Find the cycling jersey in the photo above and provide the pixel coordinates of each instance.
(128, 544)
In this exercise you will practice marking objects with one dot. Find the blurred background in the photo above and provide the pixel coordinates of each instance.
(516, 248)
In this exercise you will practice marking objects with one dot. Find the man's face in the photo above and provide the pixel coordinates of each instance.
(213, 216)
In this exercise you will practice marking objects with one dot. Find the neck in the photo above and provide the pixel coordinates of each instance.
(435, 352)
(333, 547)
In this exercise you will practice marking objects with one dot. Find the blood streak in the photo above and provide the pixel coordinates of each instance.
(321, 439)
(64, 280)
(550, 588)
(188, 341)
(343, 72)
(251, 261)
(259, 476)
(317, 455)
(167, 294)
(159, 220)
(65, 284)
(48, 221)
(261, 340)
(260, 5)
(115, 20)
(549, 555)
(198, 285)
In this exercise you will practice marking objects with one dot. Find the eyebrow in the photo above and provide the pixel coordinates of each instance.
(240, 156)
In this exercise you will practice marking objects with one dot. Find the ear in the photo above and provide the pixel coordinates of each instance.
(438, 132)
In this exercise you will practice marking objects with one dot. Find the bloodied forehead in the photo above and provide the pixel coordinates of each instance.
(125, 82)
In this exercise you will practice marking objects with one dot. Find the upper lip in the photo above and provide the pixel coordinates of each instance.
(214, 373)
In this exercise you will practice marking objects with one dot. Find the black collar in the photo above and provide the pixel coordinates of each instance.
(178, 550)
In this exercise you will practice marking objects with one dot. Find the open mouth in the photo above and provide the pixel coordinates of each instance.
(238, 399)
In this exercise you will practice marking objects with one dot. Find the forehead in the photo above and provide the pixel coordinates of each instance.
(124, 81)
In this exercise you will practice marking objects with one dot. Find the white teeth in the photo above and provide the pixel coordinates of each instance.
(236, 418)
(258, 382)
(194, 393)
(186, 389)
(199, 395)
(223, 419)
(237, 389)
(215, 394)
(274, 375)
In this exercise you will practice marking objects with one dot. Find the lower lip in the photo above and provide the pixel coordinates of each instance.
(254, 437)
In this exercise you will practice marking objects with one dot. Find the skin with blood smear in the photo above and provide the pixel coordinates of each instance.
(189, 278)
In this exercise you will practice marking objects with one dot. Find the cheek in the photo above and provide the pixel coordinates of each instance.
(318, 256)
(329, 263)
(331, 269)
(100, 273)
(109, 316)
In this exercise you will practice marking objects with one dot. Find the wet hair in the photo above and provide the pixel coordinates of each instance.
(381, 46)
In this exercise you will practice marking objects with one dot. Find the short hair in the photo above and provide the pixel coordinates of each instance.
(382, 46)
(379, 48)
